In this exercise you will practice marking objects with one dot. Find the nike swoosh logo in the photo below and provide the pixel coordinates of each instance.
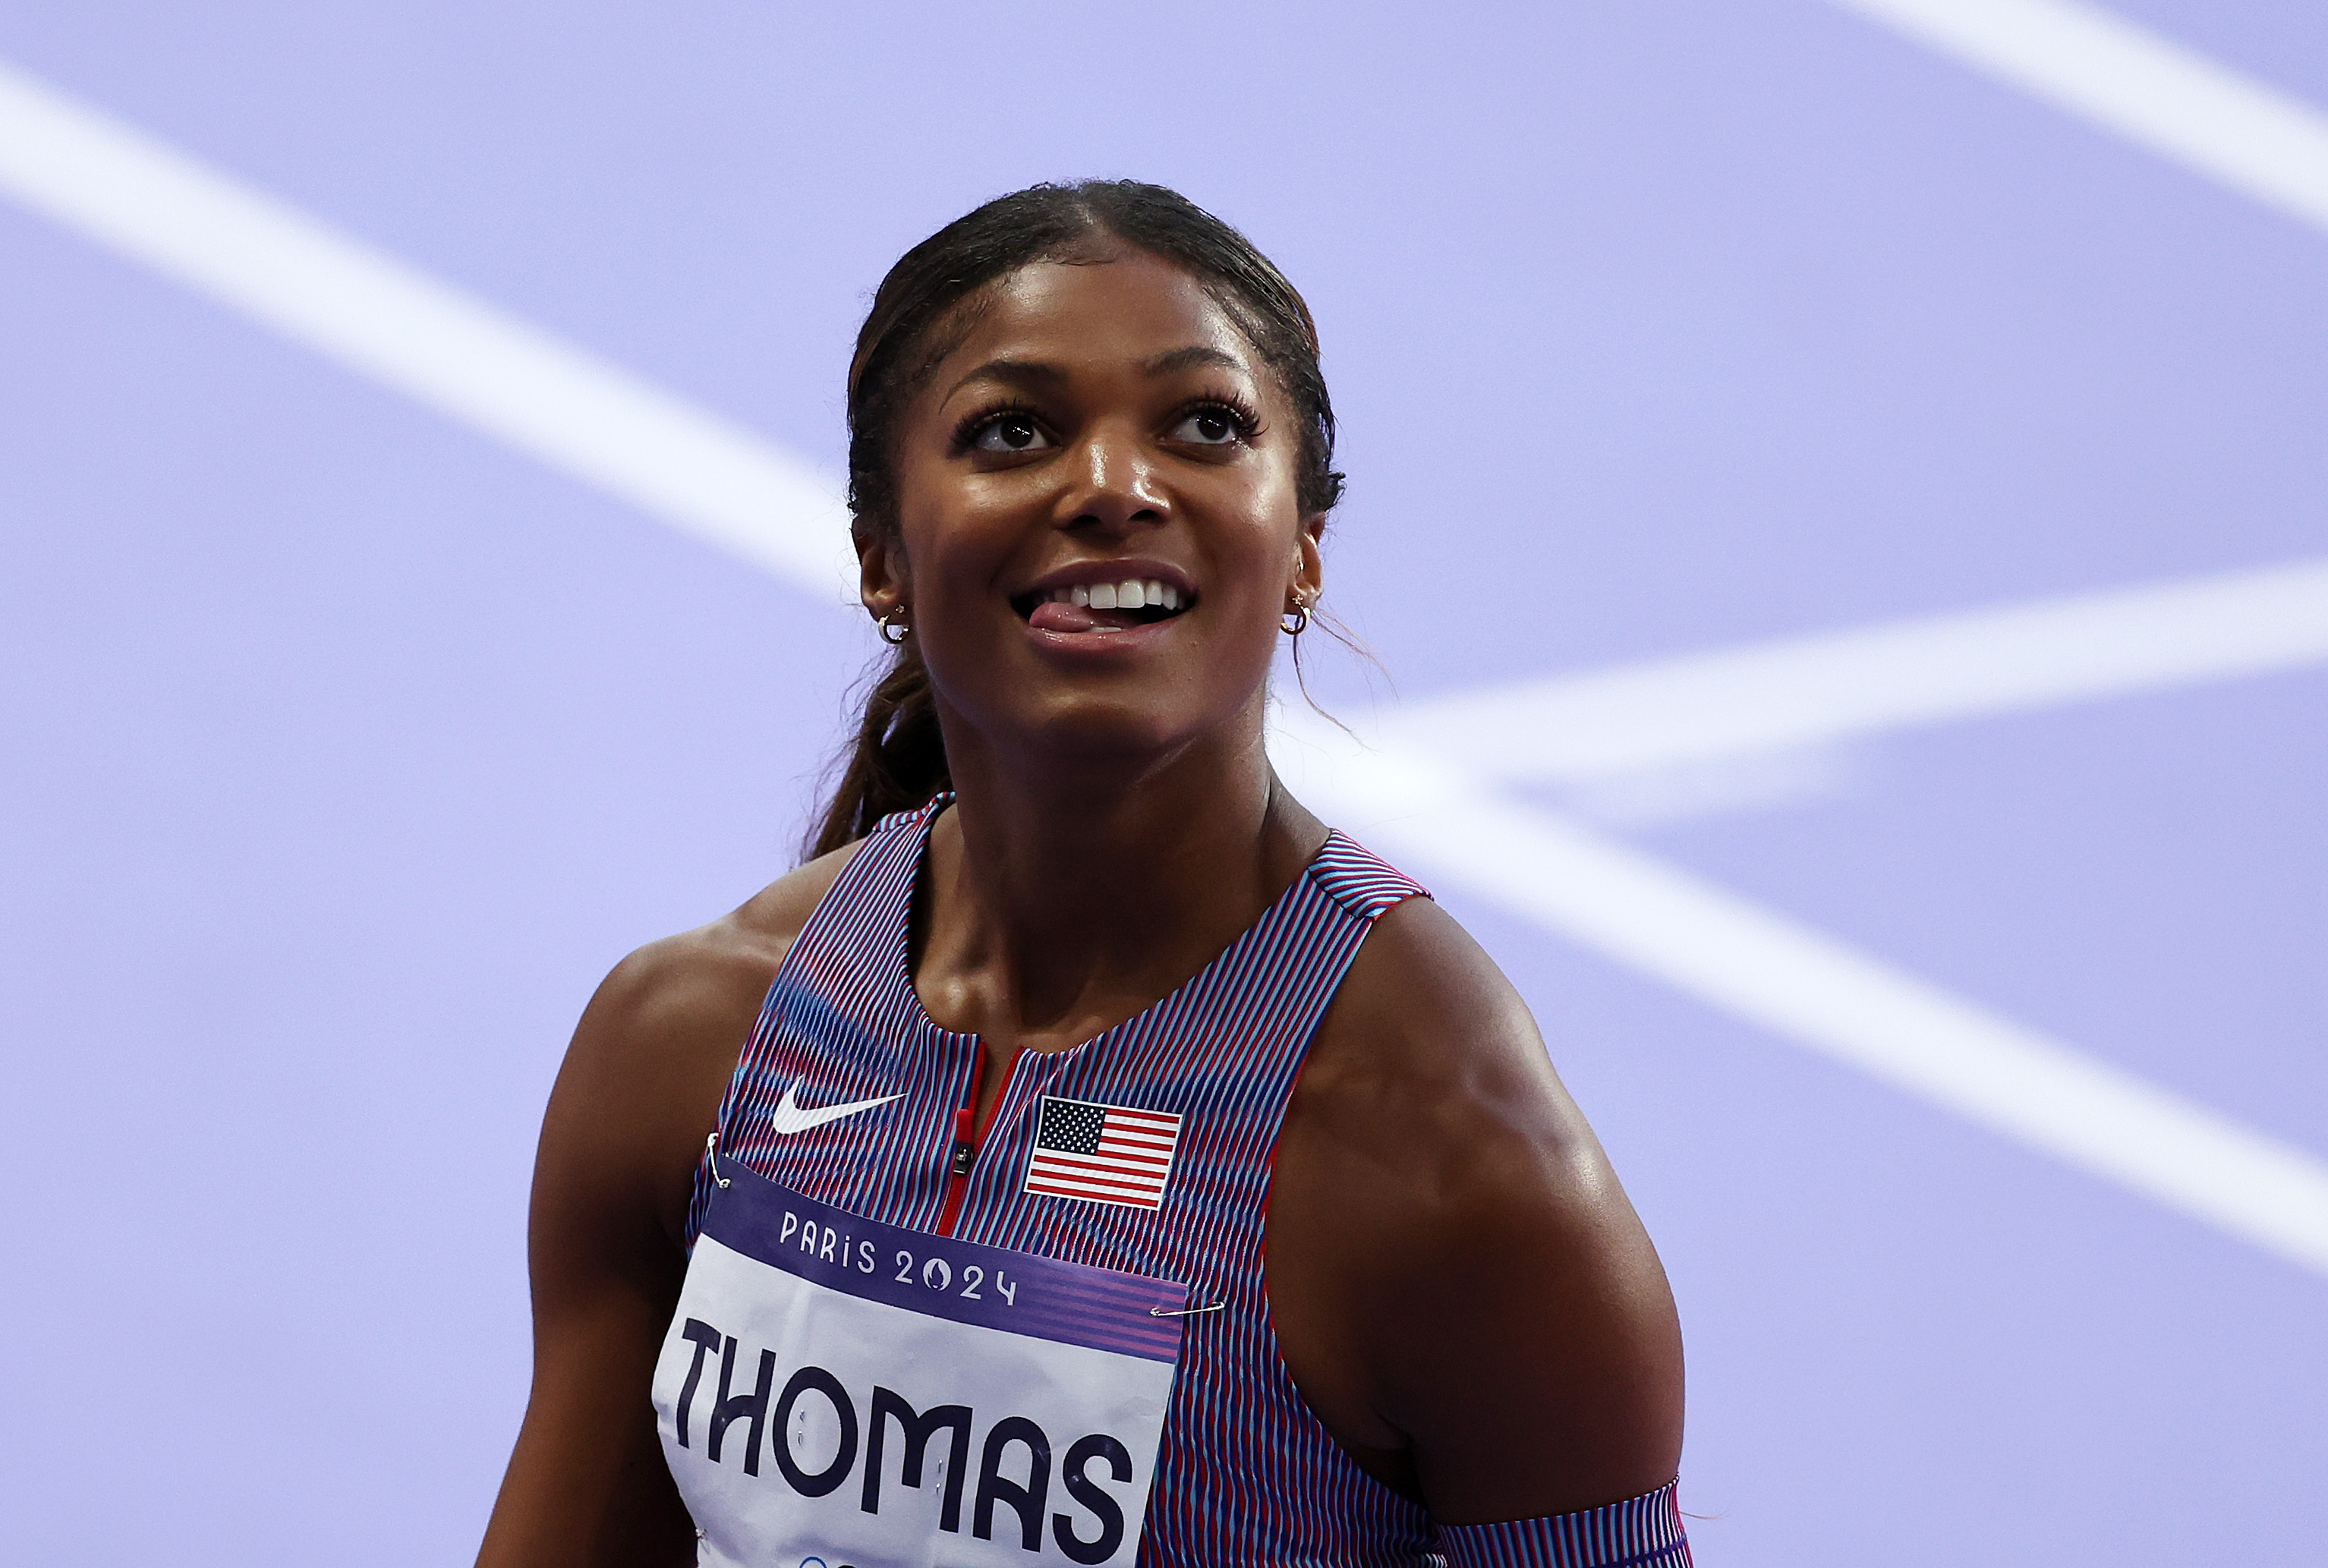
(789, 1118)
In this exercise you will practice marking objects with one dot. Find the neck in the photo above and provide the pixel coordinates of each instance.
(1064, 894)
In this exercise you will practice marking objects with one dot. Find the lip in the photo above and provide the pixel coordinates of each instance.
(1102, 642)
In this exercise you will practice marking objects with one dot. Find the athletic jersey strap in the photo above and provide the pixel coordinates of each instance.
(1362, 885)
(1643, 1532)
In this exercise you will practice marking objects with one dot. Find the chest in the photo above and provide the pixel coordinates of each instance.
(1146, 1151)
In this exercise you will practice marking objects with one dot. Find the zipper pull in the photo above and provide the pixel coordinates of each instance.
(965, 1152)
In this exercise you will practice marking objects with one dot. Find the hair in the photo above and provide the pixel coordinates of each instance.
(921, 312)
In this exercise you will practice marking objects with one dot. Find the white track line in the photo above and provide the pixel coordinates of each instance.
(2128, 80)
(390, 321)
(1806, 987)
(1935, 669)
(384, 320)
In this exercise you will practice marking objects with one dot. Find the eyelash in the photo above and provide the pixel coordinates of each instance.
(1241, 414)
(967, 432)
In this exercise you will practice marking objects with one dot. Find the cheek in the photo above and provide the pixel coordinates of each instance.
(1258, 553)
(953, 550)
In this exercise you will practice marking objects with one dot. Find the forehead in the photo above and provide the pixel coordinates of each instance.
(1125, 307)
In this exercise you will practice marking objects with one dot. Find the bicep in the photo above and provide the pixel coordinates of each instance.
(586, 1483)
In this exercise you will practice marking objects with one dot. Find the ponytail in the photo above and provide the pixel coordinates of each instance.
(896, 762)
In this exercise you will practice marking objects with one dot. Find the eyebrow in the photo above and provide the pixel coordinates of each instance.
(1016, 372)
(1190, 358)
(1025, 372)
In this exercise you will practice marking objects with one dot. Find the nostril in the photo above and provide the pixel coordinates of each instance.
(1146, 516)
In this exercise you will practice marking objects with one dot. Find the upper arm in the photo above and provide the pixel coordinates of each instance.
(638, 1091)
(1462, 1288)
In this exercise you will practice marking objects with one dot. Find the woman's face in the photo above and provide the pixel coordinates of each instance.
(1098, 515)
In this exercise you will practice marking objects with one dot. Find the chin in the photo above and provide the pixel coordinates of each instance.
(1109, 731)
(1114, 731)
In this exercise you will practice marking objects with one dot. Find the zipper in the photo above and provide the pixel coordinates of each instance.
(968, 1139)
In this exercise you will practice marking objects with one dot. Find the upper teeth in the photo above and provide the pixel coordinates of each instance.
(1131, 594)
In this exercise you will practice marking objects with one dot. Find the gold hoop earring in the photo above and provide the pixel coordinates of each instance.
(1295, 621)
(894, 629)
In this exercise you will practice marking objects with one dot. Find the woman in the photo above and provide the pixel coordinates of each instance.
(1075, 1000)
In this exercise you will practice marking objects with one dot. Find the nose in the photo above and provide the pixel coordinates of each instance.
(1113, 484)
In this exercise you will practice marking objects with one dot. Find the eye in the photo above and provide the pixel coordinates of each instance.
(1010, 432)
(1213, 425)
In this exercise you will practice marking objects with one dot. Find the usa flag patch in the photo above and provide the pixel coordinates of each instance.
(1102, 1153)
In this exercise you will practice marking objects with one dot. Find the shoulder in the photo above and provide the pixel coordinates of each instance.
(1470, 1284)
(1429, 1046)
(668, 988)
(641, 1084)
(687, 992)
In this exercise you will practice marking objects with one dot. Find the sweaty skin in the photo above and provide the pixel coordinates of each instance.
(1461, 1288)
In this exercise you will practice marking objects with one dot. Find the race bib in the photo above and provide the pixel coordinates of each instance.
(842, 1391)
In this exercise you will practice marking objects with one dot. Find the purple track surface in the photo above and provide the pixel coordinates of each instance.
(344, 749)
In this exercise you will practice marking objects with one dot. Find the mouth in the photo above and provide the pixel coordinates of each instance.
(1118, 605)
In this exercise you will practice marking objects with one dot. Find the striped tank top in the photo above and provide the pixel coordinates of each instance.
(1245, 1472)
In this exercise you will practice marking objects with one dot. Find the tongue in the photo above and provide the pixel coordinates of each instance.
(1050, 617)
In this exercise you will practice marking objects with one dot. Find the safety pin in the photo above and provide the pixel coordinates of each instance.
(711, 1158)
(1185, 1312)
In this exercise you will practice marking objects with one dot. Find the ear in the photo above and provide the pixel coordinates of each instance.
(882, 581)
(1308, 575)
